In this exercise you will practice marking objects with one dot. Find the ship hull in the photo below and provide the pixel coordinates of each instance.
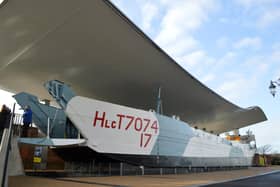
(173, 161)
(173, 144)
(150, 139)
(85, 154)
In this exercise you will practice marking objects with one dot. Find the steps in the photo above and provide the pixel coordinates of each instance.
(15, 166)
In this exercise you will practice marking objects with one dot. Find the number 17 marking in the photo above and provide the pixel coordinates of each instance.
(145, 139)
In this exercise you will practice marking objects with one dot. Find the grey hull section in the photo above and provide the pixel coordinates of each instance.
(173, 161)
(85, 154)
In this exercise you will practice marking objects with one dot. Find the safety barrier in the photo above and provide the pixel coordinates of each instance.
(18, 119)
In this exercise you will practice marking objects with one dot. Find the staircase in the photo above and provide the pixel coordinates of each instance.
(10, 160)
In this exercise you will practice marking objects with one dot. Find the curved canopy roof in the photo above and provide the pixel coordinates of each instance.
(93, 47)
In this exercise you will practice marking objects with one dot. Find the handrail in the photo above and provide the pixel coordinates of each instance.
(6, 146)
(18, 120)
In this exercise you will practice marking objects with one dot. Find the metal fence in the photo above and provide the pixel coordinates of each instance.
(18, 119)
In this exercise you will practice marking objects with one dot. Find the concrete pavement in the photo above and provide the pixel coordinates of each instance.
(268, 180)
(192, 179)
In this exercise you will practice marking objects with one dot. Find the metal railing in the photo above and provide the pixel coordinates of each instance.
(5, 149)
(18, 119)
(17, 124)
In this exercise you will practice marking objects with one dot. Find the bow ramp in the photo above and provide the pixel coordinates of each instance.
(43, 113)
(50, 120)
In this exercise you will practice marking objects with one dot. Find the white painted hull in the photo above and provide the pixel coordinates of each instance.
(146, 138)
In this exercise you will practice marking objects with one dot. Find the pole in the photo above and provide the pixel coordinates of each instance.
(48, 130)
(79, 134)
(159, 100)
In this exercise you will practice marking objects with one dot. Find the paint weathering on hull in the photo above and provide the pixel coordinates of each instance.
(119, 130)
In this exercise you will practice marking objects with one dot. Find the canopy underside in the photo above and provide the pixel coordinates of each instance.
(93, 47)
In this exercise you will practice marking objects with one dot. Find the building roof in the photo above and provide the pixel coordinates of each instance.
(97, 50)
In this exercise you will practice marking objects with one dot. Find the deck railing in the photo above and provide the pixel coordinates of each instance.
(18, 119)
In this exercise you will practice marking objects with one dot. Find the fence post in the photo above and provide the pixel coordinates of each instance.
(121, 169)
(110, 169)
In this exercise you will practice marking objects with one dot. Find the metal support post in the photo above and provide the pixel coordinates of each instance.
(159, 104)
(121, 169)
(48, 130)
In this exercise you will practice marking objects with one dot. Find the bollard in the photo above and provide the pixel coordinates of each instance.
(121, 169)
(142, 170)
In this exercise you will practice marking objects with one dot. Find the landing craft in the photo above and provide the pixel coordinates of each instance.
(140, 137)
(96, 49)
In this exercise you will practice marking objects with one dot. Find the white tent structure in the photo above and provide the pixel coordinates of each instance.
(93, 47)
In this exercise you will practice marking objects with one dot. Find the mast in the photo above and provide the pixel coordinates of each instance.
(159, 105)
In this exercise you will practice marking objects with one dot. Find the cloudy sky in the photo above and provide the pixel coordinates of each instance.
(233, 47)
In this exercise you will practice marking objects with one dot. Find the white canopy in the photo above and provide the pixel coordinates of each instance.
(93, 47)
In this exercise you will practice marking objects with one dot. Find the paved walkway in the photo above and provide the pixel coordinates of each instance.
(147, 180)
(270, 180)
